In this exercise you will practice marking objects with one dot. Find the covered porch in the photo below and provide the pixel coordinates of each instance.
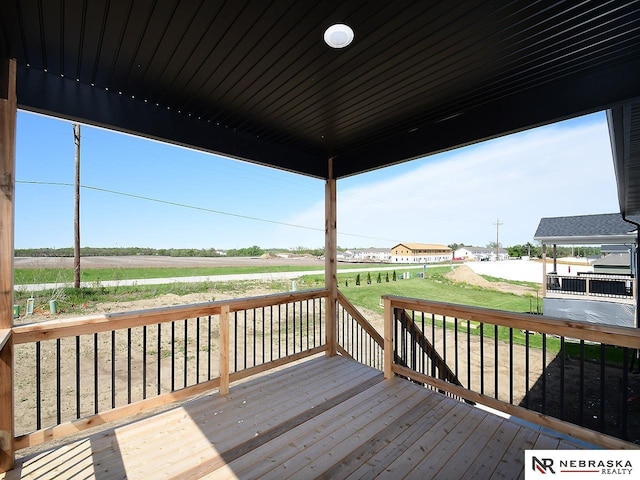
(253, 81)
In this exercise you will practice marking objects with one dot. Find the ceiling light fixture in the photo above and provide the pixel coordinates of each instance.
(338, 35)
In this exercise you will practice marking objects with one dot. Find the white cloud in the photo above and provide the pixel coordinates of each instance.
(557, 170)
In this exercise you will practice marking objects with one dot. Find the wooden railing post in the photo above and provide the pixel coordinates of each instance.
(8, 112)
(388, 339)
(224, 350)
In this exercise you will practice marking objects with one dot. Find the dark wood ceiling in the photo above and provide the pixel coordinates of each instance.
(254, 79)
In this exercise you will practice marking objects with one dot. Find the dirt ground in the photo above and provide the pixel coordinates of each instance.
(157, 261)
(464, 274)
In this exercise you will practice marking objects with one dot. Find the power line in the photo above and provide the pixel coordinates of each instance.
(194, 207)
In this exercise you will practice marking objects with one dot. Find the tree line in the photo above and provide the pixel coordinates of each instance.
(253, 251)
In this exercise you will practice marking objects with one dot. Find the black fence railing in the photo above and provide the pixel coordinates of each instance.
(269, 333)
(612, 286)
(76, 368)
(356, 337)
(69, 378)
(585, 382)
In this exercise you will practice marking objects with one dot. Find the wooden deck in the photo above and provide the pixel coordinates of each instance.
(324, 417)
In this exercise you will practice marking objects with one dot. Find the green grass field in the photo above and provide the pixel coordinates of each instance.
(434, 286)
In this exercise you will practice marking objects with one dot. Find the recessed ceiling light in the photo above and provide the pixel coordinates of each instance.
(338, 35)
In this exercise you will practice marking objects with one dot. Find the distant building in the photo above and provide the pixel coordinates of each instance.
(420, 253)
(613, 264)
(371, 255)
(480, 254)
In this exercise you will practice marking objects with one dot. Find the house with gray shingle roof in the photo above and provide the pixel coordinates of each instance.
(605, 295)
(606, 228)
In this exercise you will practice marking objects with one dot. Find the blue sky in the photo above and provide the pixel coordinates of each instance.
(457, 196)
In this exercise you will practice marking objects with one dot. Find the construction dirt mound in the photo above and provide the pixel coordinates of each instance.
(463, 274)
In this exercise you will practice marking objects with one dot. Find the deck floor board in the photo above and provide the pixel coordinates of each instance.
(320, 418)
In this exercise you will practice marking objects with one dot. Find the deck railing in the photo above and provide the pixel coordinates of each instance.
(592, 285)
(73, 374)
(573, 377)
(76, 373)
(356, 337)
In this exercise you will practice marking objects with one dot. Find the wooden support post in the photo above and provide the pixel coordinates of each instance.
(8, 112)
(544, 270)
(388, 339)
(224, 350)
(330, 262)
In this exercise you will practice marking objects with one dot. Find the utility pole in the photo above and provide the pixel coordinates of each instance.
(497, 224)
(76, 216)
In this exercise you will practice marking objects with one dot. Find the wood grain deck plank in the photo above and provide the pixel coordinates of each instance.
(387, 453)
(322, 450)
(416, 419)
(512, 463)
(444, 434)
(326, 417)
(422, 460)
(212, 445)
(486, 463)
(453, 460)
(276, 451)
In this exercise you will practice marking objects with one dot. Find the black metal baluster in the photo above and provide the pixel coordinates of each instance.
(625, 392)
(319, 322)
(293, 305)
(562, 368)
(307, 315)
(582, 399)
(314, 323)
(468, 354)
(128, 366)
(173, 356)
(113, 369)
(301, 325)
(496, 361)
(603, 390)
(244, 336)
(95, 373)
(77, 376)
(482, 358)
(209, 348)
(159, 373)
(197, 350)
(254, 337)
(527, 395)
(424, 361)
(433, 342)
(544, 373)
(38, 387)
(235, 341)
(279, 331)
(58, 383)
(444, 347)
(286, 329)
(271, 334)
(455, 343)
(511, 365)
(186, 353)
(144, 361)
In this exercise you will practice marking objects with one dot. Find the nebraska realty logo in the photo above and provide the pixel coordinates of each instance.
(584, 464)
